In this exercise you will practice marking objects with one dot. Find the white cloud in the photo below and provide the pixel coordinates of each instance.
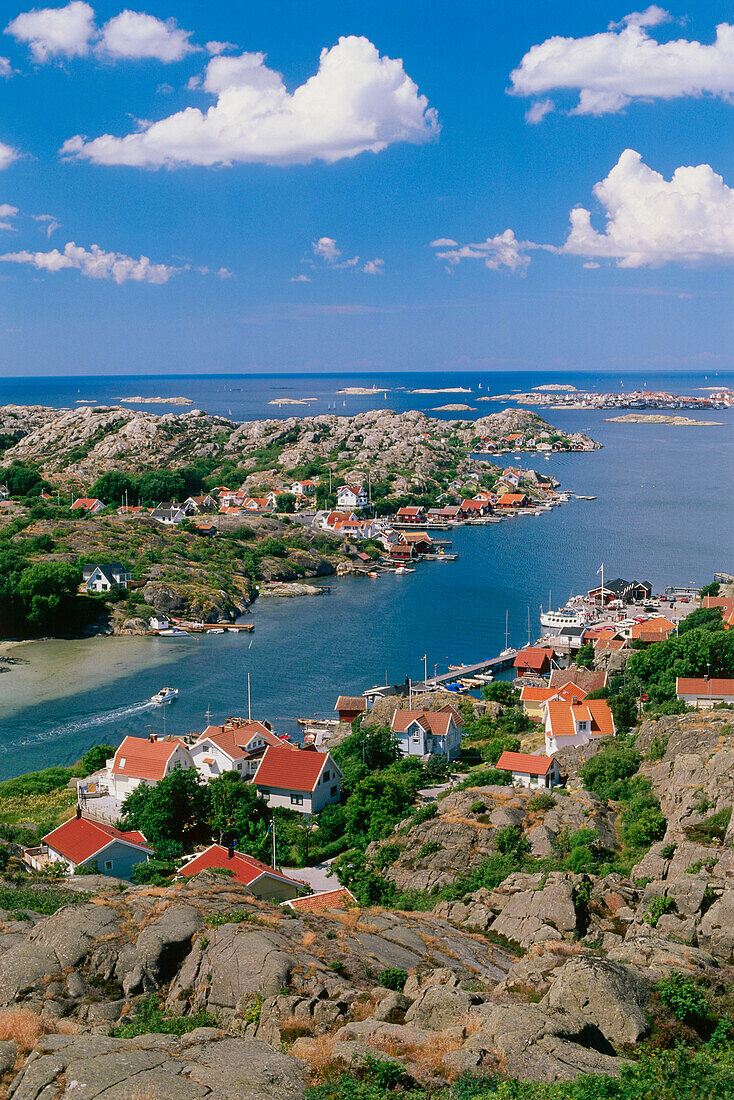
(624, 63)
(54, 32)
(7, 213)
(537, 111)
(356, 102)
(133, 34)
(325, 247)
(95, 264)
(215, 48)
(300, 279)
(6, 69)
(444, 242)
(504, 250)
(7, 156)
(374, 267)
(48, 222)
(652, 221)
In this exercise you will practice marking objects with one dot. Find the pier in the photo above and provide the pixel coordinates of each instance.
(495, 664)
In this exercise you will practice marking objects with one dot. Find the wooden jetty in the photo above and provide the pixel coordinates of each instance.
(505, 660)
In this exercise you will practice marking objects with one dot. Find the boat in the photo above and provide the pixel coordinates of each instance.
(509, 652)
(216, 630)
(165, 695)
(174, 632)
(455, 668)
(284, 736)
(559, 619)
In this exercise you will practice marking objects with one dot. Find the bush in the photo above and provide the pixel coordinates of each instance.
(658, 745)
(541, 801)
(150, 1020)
(487, 777)
(657, 908)
(685, 999)
(394, 978)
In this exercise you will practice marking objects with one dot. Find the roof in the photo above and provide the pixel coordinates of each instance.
(524, 763)
(585, 678)
(431, 721)
(355, 489)
(534, 657)
(410, 511)
(289, 770)
(415, 536)
(86, 502)
(351, 702)
(233, 738)
(340, 898)
(563, 717)
(542, 695)
(511, 498)
(726, 603)
(699, 685)
(246, 869)
(144, 759)
(79, 839)
(656, 628)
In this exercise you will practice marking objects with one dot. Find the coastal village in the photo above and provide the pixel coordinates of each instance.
(497, 869)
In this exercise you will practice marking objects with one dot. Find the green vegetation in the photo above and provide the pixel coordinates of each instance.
(41, 597)
(39, 899)
(394, 978)
(151, 1020)
(613, 776)
(657, 908)
(698, 651)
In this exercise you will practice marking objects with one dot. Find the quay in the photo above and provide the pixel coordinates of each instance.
(204, 628)
(505, 660)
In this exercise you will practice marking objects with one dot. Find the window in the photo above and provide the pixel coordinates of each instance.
(108, 865)
(264, 793)
(296, 800)
(123, 761)
(207, 748)
(327, 776)
(334, 791)
(239, 766)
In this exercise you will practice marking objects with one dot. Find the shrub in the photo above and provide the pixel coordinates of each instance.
(425, 813)
(685, 999)
(541, 801)
(22, 1027)
(668, 851)
(657, 908)
(477, 808)
(428, 849)
(394, 978)
(658, 745)
(712, 830)
(150, 1019)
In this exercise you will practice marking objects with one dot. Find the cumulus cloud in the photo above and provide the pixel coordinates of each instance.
(7, 213)
(537, 111)
(502, 251)
(55, 32)
(374, 267)
(611, 69)
(652, 221)
(214, 48)
(7, 156)
(6, 69)
(357, 101)
(95, 263)
(133, 34)
(325, 247)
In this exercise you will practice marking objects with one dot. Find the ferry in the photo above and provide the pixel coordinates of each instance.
(556, 620)
(165, 695)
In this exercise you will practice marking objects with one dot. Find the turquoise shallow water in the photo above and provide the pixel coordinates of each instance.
(663, 512)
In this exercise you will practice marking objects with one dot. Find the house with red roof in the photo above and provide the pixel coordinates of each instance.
(81, 842)
(88, 504)
(530, 771)
(428, 732)
(533, 698)
(234, 746)
(351, 496)
(350, 707)
(144, 760)
(651, 630)
(411, 515)
(264, 882)
(338, 898)
(702, 693)
(534, 661)
(512, 500)
(571, 725)
(304, 780)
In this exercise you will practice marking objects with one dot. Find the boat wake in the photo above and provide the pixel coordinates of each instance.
(78, 725)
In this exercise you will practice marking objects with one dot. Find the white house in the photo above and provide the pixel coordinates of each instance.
(428, 732)
(304, 780)
(159, 622)
(88, 504)
(4, 492)
(170, 514)
(235, 746)
(204, 503)
(530, 771)
(140, 760)
(303, 488)
(351, 496)
(575, 723)
(702, 693)
(80, 842)
(102, 578)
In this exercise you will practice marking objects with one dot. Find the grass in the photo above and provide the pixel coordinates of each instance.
(151, 1020)
(39, 899)
(22, 1027)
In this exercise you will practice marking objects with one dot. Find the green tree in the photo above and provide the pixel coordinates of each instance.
(373, 808)
(608, 774)
(285, 502)
(585, 656)
(501, 691)
(703, 618)
(624, 711)
(96, 758)
(112, 487)
(176, 808)
(236, 812)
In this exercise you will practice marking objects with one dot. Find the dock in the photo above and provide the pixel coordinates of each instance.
(204, 628)
(495, 664)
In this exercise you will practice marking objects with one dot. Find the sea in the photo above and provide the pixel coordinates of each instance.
(662, 512)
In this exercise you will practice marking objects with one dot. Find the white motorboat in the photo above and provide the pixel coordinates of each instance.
(174, 632)
(558, 619)
(165, 695)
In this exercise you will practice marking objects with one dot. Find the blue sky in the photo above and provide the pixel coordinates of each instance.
(271, 249)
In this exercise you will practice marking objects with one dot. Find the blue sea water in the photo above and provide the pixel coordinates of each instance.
(663, 512)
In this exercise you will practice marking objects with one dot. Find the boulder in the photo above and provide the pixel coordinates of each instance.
(539, 908)
(438, 1007)
(159, 950)
(609, 995)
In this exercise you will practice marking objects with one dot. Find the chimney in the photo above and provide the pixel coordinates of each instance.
(230, 851)
(152, 737)
(78, 812)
